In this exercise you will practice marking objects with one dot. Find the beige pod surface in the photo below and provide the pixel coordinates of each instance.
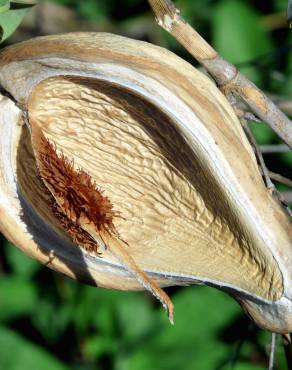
(165, 147)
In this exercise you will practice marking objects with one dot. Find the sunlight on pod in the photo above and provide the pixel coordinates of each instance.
(124, 167)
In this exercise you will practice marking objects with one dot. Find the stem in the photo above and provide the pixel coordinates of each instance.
(280, 178)
(225, 74)
(259, 156)
(278, 148)
(272, 352)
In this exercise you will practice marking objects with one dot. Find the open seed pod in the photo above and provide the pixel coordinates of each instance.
(124, 167)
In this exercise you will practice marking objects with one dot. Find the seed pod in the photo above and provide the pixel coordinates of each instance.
(124, 167)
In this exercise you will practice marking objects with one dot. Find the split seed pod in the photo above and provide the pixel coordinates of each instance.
(124, 167)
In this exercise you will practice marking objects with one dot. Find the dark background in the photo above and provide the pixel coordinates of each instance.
(50, 322)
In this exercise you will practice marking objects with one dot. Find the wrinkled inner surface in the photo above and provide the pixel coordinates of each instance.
(174, 218)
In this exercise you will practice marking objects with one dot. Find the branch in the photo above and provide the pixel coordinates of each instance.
(289, 12)
(225, 74)
(272, 352)
(286, 106)
(277, 148)
(258, 154)
(287, 195)
(280, 178)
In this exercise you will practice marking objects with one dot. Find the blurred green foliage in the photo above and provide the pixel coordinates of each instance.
(243, 37)
(11, 15)
(48, 321)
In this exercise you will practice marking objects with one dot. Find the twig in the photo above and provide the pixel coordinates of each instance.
(282, 103)
(286, 106)
(289, 12)
(279, 148)
(280, 178)
(287, 195)
(259, 155)
(274, 21)
(225, 74)
(272, 352)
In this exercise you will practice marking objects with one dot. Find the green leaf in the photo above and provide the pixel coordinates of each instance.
(93, 11)
(16, 353)
(263, 133)
(201, 313)
(238, 34)
(17, 298)
(20, 264)
(103, 320)
(98, 345)
(86, 308)
(265, 338)
(281, 358)
(12, 18)
(247, 366)
(190, 307)
(280, 5)
(50, 319)
(4, 6)
(135, 316)
(91, 306)
(4, 2)
(286, 158)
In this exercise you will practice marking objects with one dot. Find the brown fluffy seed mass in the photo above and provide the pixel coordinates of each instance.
(74, 196)
(76, 233)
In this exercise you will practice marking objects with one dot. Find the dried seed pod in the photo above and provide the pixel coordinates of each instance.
(181, 195)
